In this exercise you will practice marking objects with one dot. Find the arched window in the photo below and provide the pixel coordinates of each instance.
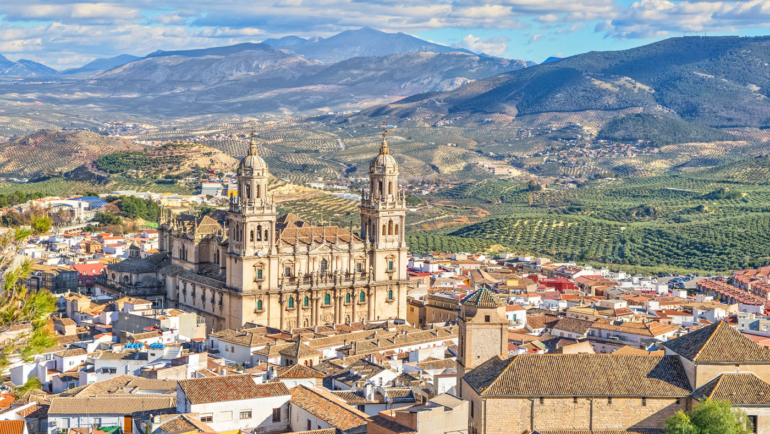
(390, 227)
(324, 265)
(384, 230)
(259, 304)
(291, 302)
(266, 237)
(362, 297)
(248, 191)
(390, 188)
(259, 233)
(327, 299)
(396, 230)
(251, 237)
(306, 302)
(347, 298)
(380, 188)
(390, 294)
(259, 191)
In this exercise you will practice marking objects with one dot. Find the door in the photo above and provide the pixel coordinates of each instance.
(128, 425)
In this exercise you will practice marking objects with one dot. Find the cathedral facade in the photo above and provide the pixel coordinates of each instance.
(253, 266)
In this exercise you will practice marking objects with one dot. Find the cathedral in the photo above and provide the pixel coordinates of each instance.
(252, 266)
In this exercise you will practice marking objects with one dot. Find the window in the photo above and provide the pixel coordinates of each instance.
(390, 188)
(390, 227)
(291, 302)
(259, 273)
(542, 400)
(384, 230)
(347, 298)
(309, 425)
(390, 265)
(324, 265)
(276, 415)
(251, 236)
(396, 229)
(609, 400)
(574, 400)
(306, 302)
(96, 421)
(644, 402)
(359, 267)
(362, 297)
(245, 414)
(471, 408)
(327, 299)
(207, 417)
(259, 304)
(678, 400)
(753, 421)
(486, 319)
(287, 271)
(390, 294)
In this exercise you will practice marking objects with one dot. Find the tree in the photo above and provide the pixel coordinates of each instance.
(41, 224)
(20, 306)
(533, 185)
(710, 417)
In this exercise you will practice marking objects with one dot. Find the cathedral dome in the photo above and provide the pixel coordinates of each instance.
(252, 161)
(384, 161)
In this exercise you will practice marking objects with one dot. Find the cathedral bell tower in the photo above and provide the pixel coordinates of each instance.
(251, 225)
(383, 216)
(483, 332)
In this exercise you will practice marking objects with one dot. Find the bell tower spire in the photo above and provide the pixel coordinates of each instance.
(383, 216)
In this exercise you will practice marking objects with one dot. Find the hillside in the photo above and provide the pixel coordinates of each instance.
(171, 158)
(99, 65)
(52, 150)
(713, 81)
(660, 130)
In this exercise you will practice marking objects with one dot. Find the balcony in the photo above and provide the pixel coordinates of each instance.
(326, 280)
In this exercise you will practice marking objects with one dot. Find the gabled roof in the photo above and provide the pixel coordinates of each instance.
(551, 375)
(120, 384)
(229, 388)
(573, 325)
(327, 407)
(182, 423)
(299, 371)
(299, 350)
(718, 343)
(740, 388)
(120, 404)
(483, 298)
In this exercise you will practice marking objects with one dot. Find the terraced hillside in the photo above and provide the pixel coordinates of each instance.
(53, 150)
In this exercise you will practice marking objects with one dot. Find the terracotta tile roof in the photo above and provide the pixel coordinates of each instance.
(307, 235)
(121, 404)
(318, 431)
(327, 407)
(627, 350)
(482, 298)
(183, 423)
(649, 329)
(299, 371)
(738, 388)
(229, 388)
(251, 338)
(121, 383)
(544, 375)
(542, 321)
(299, 350)
(718, 343)
(437, 364)
(11, 426)
(573, 325)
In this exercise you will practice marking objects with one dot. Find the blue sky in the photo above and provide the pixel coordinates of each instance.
(66, 34)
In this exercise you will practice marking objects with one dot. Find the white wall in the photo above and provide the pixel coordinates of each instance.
(261, 413)
(300, 417)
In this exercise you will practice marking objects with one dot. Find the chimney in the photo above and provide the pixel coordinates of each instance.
(223, 372)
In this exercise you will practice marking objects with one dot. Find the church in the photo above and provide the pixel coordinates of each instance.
(252, 266)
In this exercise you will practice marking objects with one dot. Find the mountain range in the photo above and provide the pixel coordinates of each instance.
(364, 42)
(23, 68)
(712, 81)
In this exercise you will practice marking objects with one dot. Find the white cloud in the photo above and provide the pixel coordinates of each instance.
(534, 38)
(494, 46)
